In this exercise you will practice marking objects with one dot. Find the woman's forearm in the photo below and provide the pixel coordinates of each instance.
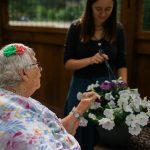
(122, 72)
(74, 64)
(70, 123)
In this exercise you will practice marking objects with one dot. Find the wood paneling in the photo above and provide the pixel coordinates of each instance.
(143, 47)
(35, 36)
(143, 74)
(1, 26)
(48, 45)
(129, 9)
(138, 46)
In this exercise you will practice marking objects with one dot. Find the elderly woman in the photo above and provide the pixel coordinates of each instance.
(25, 124)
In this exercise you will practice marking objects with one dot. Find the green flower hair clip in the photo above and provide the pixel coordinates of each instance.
(14, 49)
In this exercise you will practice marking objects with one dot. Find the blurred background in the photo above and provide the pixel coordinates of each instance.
(42, 25)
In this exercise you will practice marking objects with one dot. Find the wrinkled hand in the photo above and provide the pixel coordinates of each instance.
(86, 100)
(71, 123)
(98, 58)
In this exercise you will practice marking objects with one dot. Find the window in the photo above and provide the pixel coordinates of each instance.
(146, 18)
(118, 8)
(54, 13)
(49, 13)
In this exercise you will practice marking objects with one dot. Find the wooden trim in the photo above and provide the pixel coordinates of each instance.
(141, 34)
(129, 9)
(36, 37)
(143, 47)
(4, 6)
(1, 37)
(140, 14)
(6, 26)
(37, 29)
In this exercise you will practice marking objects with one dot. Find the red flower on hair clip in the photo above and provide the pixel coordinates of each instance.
(20, 49)
(14, 49)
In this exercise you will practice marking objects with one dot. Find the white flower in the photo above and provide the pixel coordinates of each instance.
(131, 120)
(148, 104)
(142, 118)
(112, 104)
(107, 123)
(95, 105)
(92, 116)
(119, 80)
(109, 113)
(148, 112)
(79, 96)
(109, 96)
(83, 122)
(122, 102)
(92, 86)
(135, 101)
(128, 108)
(145, 103)
(135, 130)
(124, 94)
(120, 105)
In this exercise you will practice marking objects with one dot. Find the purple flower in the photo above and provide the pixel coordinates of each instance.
(98, 100)
(120, 85)
(106, 85)
(123, 85)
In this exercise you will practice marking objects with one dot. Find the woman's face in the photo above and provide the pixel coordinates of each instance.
(34, 75)
(102, 9)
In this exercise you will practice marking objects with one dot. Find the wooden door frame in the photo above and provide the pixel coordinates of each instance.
(141, 34)
(2, 19)
(128, 18)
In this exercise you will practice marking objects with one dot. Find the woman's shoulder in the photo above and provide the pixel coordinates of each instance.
(75, 24)
(119, 26)
(74, 29)
(120, 30)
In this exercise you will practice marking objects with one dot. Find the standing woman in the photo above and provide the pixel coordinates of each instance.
(96, 29)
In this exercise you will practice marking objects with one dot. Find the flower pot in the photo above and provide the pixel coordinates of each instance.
(118, 137)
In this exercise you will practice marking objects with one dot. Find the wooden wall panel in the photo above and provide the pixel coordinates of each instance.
(138, 46)
(1, 27)
(35, 36)
(129, 9)
(143, 47)
(48, 45)
(142, 66)
(49, 51)
(143, 74)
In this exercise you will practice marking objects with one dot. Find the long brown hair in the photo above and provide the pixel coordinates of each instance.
(87, 23)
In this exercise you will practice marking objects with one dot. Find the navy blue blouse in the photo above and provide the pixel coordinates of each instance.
(75, 49)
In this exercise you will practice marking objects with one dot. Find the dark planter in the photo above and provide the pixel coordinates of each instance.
(118, 137)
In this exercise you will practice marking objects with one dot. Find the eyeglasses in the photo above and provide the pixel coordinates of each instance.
(38, 65)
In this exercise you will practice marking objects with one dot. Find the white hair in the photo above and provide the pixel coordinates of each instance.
(9, 65)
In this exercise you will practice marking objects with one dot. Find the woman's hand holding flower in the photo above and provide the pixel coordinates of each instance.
(86, 100)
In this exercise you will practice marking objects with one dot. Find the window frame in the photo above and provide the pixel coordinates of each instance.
(5, 22)
(141, 34)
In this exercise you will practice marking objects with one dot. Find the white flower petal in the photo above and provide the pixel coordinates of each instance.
(79, 96)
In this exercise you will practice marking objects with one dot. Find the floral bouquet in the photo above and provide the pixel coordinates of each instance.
(118, 106)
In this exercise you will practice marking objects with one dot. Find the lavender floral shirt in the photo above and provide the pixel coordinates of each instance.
(25, 124)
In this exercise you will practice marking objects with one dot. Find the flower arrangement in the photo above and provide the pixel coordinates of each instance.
(118, 106)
